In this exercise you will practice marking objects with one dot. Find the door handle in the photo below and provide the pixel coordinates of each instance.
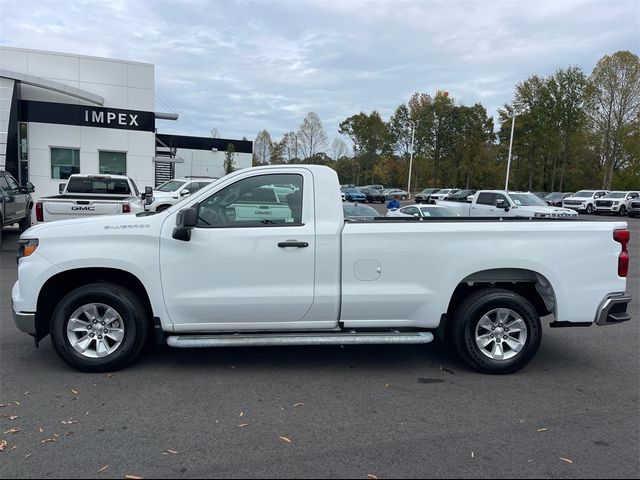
(293, 243)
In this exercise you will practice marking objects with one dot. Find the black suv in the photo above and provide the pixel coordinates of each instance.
(15, 203)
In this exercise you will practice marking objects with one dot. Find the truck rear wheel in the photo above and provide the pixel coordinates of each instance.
(99, 328)
(496, 331)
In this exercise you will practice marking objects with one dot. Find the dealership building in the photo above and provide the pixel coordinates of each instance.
(62, 114)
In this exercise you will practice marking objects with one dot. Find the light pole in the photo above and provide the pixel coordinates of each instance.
(413, 137)
(513, 125)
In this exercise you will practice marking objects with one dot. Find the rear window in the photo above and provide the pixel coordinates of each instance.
(98, 185)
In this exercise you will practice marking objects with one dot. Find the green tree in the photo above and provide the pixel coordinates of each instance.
(262, 148)
(614, 105)
(229, 159)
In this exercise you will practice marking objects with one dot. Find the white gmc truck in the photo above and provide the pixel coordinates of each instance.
(91, 195)
(235, 265)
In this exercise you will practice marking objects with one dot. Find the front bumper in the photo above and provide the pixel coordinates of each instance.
(613, 309)
(25, 322)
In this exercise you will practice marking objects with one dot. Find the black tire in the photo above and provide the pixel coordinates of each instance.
(623, 211)
(130, 309)
(25, 223)
(476, 307)
(589, 209)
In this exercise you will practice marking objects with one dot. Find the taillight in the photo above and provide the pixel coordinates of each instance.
(39, 213)
(622, 237)
(126, 208)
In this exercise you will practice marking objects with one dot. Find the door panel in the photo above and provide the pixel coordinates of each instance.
(233, 271)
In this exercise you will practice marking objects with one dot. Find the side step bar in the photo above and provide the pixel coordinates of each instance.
(280, 339)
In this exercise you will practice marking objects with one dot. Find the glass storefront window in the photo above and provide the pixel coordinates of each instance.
(64, 162)
(113, 163)
(23, 153)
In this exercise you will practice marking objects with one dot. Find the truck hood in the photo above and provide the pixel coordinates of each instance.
(75, 228)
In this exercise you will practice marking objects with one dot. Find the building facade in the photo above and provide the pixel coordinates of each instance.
(62, 114)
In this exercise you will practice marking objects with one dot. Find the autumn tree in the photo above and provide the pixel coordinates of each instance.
(313, 138)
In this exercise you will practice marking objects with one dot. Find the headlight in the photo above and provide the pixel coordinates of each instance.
(616, 203)
(27, 247)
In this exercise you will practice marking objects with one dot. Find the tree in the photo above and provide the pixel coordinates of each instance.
(313, 138)
(614, 105)
(262, 148)
(339, 149)
(229, 159)
(291, 147)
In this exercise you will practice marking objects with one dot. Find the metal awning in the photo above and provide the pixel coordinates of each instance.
(53, 86)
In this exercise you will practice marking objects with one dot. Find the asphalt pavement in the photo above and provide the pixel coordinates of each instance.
(378, 411)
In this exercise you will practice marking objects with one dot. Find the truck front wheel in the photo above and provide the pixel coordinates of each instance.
(100, 327)
(496, 331)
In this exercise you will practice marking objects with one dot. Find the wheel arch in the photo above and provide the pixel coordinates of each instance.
(533, 286)
(65, 282)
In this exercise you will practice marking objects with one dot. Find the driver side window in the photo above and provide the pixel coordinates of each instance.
(260, 201)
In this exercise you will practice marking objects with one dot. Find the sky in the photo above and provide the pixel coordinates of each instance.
(243, 66)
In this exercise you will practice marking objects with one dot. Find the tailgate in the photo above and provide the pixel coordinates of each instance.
(68, 208)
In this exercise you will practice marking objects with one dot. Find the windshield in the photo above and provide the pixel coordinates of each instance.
(554, 195)
(585, 194)
(444, 191)
(527, 200)
(170, 186)
(615, 195)
(135, 187)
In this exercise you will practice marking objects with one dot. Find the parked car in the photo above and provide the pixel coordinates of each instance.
(201, 276)
(424, 195)
(359, 212)
(442, 194)
(634, 208)
(555, 199)
(91, 195)
(615, 202)
(16, 203)
(540, 194)
(354, 195)
(499, 203)
(584, 200)
(374, 196)
(462, 195)
(392, 192)
(422, 211)
(173, 191)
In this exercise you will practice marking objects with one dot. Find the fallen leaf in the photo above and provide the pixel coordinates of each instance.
(48, 440)
(2, 405)
(542, 430)
(56, 435)
(86, 414)
(68, 434)
(17, 403)
(3, 445)
(13, 430)
(386, 386)
(74, 392)
(372, 477)
(27, 393)
(566, 460)
(12, 449)
(28, 455)
(69, 422)
(74, 398)
(103, 469)
(9, 417)
(41, 430)
(473, 454)
(170, 452)
(285, 439)
(297, 405)
(242, 425)
(241, 414)
(108, 375)
(132, 477)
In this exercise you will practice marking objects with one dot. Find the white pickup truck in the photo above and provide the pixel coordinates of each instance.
(500, 203)
(230, 266)
(91, 195)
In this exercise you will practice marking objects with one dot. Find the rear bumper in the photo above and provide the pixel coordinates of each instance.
(613, 309)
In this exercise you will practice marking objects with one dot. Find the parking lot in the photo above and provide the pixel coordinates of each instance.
(377, 411)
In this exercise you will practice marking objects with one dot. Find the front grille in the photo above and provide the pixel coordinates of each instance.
(572, 202)
(603, 203)
(635, 205)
